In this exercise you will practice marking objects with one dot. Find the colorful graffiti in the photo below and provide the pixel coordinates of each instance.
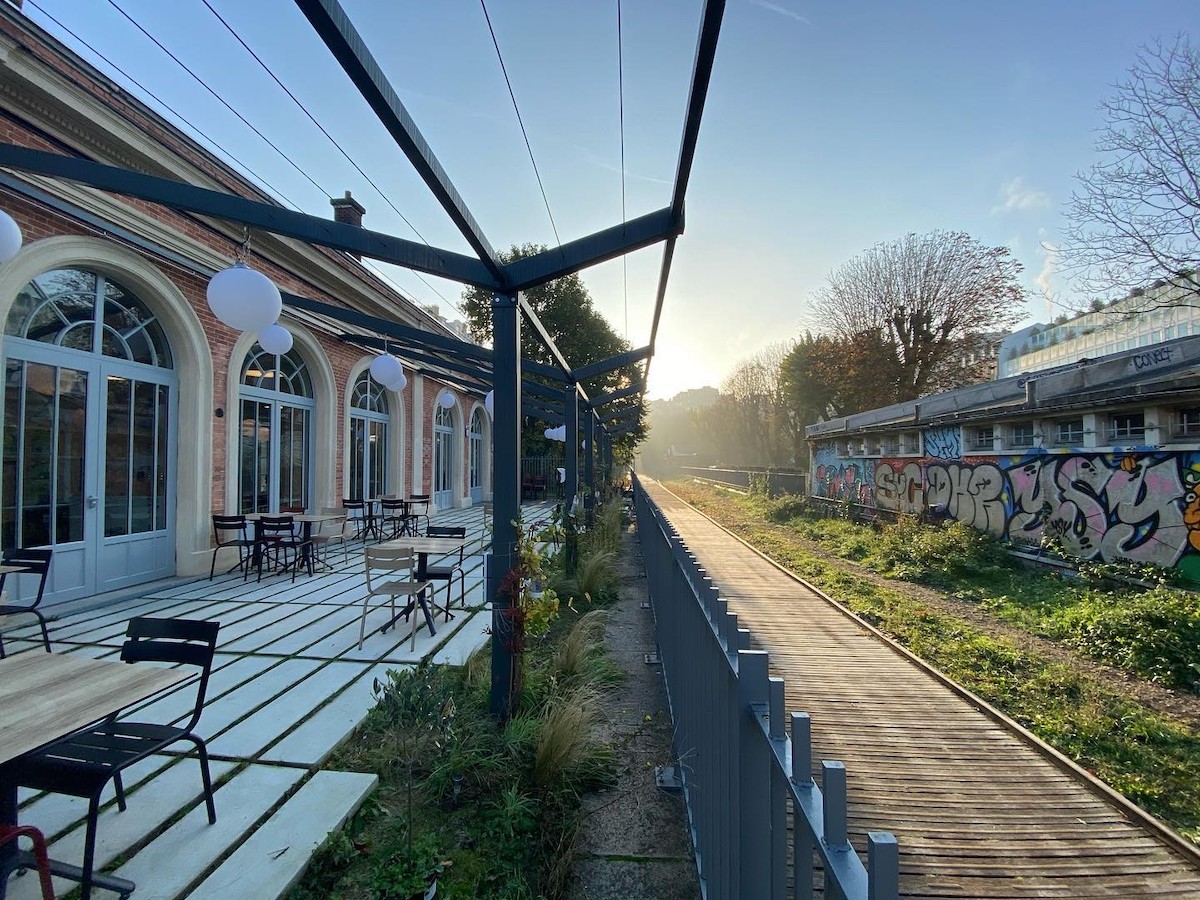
(1141, 506)
(944, 442)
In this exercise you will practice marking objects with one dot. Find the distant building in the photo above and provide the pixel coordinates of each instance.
(1145, 317)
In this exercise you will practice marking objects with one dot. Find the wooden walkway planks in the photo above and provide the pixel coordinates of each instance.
(977, 810)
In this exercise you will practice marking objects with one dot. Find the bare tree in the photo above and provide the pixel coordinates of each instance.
(749, 423)
(1135, 217)
(933, 297)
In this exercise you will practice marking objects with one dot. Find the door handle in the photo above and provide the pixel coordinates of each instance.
(92, 502)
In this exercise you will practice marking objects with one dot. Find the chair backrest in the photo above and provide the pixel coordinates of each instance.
(188, 642)
(449, 531)
(277, 526)
(337, 525)
(223, 524)
(419, 499)
(394, 508)
(388, 559)
(36, 560)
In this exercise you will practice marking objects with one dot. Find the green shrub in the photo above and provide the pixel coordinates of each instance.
(785, 508)
(936, 553)
(1156, 634)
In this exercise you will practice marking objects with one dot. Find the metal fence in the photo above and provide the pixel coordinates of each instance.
(777, 482)
(738, 766)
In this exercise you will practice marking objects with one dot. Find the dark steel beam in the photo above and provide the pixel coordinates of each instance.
(541, 390)
(591, 370)
(706, 51)
(529, 367)
(551, 414)
(660, 296)
(531, 271)
(623, 412)
(621, 429)
(253, 213)
(571, 448)
(333, 26)
(589, 471)
(636, 388)
(426, 340)
(482, 374)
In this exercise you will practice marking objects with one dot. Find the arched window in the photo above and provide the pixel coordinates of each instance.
(277, 406)
(475, 435)
(89, 450)
(369, 418)
(443, 458)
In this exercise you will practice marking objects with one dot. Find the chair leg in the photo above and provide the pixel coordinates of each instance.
(41, 857)
(205, 776)
(89, 848)
(362, 628)
(45, 631)
(119, 787)
(212, 569)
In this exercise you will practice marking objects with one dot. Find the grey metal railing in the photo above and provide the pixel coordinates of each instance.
(738, 766)
(777, 482)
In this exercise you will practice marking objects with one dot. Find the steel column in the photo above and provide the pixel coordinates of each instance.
(589, 473)
(506, 496)
(571, 449)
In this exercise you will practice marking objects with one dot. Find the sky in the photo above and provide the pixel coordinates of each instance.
(829, 127)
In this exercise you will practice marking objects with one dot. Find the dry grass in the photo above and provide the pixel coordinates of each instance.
(566, 740)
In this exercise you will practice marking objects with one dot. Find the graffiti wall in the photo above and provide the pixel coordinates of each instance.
(1142, 506)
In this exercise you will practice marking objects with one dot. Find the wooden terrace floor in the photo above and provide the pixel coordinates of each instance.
(977, 810)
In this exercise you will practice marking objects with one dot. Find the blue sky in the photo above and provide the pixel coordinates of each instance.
(829, 127)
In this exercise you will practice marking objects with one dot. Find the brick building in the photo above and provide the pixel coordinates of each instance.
(131, 414)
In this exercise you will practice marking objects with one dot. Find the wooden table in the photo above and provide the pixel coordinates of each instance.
(13, 570)
(424, 547)
(47, 696)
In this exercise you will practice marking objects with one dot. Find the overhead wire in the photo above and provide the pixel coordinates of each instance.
(621, 111)
(197, 132)
(520, 121)
(386, 199)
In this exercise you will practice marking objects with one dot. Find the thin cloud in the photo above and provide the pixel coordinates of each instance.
(782, 10)
(1045, 277)
(1018, 196)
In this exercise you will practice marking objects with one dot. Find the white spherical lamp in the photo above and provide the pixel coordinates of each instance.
(446, 400)
(549, 433)
(244, 299)
(398, 384)
(10, 237)
(489, 404)
(386, 369)
(275, 339)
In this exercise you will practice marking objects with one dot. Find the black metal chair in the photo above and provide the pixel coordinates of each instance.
(277, 537)
(447, 573)
(35, 561)
(83, 764)
(232, 531)
(362, 515)
(418, 508)
(394, 515)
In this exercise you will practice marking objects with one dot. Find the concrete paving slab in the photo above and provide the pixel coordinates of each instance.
(318, 736)
(469, 638)
(171, 862)
(315, 633)
(252, 734)
(252, 636)
(240, 702)
(272, 860)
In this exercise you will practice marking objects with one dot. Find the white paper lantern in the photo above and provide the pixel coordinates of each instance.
(275, 339)
(446, 400)
(10, 237)
(489, 404)
(386, 369)
(244, 299)
(399, 384)
(549, 433)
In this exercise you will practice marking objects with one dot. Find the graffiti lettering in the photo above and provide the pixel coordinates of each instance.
(943, 443)
(899, 486)
(973, 494)
(1152, 358)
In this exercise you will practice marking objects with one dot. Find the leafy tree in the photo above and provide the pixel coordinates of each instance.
(1135, 216)
(932, 298)
(827, 376)
(749, 421)
(580, 332)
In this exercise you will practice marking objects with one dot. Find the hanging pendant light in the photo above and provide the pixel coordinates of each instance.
(10, 237)
(489, 404)
(446, 400)
(275, 339)
(386, 369)
(399, 384)
(244, 298)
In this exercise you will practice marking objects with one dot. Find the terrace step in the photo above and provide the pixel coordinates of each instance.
(268, 864)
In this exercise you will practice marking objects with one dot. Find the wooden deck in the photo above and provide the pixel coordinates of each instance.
(978, 810)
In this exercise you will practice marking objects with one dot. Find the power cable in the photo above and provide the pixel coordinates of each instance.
(221, 99)
(197, 132)
(340, 149)
(621, 109)
(520, 121)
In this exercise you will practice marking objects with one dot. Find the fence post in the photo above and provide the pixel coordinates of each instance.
(883, 866)
(802, 866)
(779, 792)
(754, 777)
(833, 787)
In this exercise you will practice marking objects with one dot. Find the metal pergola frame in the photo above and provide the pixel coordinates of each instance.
(469, 365)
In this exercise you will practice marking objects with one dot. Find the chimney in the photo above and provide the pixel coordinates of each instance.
(348, 211)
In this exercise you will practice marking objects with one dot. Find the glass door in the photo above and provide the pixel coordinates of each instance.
(477, 457)
(443, 459)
